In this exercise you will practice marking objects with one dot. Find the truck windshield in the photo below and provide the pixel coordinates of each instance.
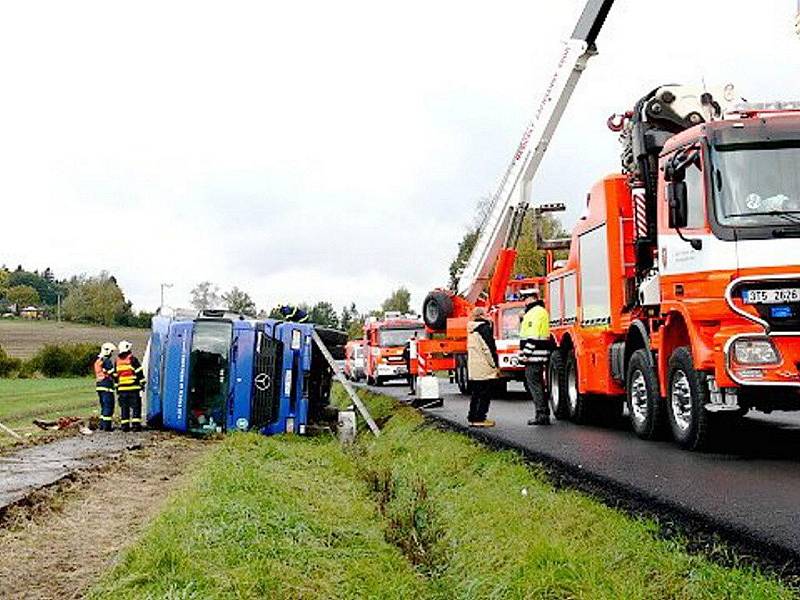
(208, 369)
(510, 322)
(757, 185)
(399, 337)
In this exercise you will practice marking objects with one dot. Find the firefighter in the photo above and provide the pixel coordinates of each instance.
(130, 383)
(104, 384)
(293, 313)
(534, 333)
(482, 367)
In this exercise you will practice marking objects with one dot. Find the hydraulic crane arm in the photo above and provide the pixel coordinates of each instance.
(513, 193)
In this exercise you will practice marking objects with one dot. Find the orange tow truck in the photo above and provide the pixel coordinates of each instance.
(681, 294)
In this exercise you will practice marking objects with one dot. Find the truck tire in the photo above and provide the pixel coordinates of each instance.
(645, 408)
(436, 309)
(379, 382)
(555, 373)
(687, 395)
(462, 374)
(577, 403)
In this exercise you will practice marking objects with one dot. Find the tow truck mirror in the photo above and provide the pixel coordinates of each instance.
(678, 204)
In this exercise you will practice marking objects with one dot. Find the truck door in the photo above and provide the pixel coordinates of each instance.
(175, 382)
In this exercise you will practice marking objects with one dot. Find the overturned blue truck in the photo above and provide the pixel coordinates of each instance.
(213, 371)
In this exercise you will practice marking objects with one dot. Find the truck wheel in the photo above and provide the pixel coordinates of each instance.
(370, 380)
(436, 309)
(645, 409)
(378, 381)
(555, 372)
(577, 403)
(462, 374)
(687, 395)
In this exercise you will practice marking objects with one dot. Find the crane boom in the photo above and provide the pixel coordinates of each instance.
(513, 192)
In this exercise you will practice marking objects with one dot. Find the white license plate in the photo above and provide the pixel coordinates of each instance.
(772, 296)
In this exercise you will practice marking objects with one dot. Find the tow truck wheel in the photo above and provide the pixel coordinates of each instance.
(462, 374)
(436, 309)
(645, 409)
(687, 395)
(577, 403)
(555, 372)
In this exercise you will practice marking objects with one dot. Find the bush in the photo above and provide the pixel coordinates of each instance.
(8, 364)
(64, 360)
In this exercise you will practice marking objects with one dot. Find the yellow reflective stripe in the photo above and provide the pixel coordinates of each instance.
(124, 421)
(304, 319)
(104, 389)
(139, 369)
(136, 420)
(128, 388)
(102, 418)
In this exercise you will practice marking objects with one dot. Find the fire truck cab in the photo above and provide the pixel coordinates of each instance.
(681, 294)
(384, 342)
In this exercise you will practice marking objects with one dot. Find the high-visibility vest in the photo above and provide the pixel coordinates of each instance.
(535, 324)
(103, 371)
(127, 377)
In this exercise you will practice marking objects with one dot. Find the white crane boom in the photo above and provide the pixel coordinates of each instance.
(513, 193)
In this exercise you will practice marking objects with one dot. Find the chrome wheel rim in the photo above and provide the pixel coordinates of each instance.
(681, 400)
(572, 387)
(555, 398)
(639, 397)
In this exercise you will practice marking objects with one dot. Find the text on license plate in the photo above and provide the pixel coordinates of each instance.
(772, 296)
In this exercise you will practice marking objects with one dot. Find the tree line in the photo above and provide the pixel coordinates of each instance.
(94, 299)
(206, 295)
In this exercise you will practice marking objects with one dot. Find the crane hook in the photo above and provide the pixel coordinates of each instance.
(616, 122)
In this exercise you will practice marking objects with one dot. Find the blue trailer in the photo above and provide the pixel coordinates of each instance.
(214, 372)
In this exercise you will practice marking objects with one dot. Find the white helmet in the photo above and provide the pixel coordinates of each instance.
(106, 350)
(124, 346)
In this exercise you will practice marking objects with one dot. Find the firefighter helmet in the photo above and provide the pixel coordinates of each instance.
(106, 349)
(124, 346)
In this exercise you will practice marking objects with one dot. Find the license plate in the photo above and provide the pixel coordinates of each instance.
(772, 296)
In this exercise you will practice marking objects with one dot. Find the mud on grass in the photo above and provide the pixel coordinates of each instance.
(59, 541)
(416, 513)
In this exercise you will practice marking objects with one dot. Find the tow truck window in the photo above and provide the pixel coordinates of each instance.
(398, 337)
(695, 198)
(510, 322)
(570, 297)
(594, 276)
(554, 300)
(208, 368)
(757, 184)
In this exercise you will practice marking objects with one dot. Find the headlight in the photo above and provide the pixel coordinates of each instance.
(755, 352)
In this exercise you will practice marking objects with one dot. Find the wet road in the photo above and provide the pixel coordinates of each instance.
(36, 467)
(749, 486)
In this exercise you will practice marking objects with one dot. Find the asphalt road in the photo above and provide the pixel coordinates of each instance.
(749, 488)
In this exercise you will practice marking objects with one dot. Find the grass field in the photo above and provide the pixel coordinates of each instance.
(418, 513)
(22, 400)
(22, 339)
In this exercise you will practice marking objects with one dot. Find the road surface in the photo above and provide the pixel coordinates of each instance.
(748, 489)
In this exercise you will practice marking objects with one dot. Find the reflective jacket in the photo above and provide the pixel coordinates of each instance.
(129, 373)
(104, 374)
(535, 323)
(534, 333)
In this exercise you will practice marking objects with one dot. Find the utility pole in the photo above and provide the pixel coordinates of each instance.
(163, 285)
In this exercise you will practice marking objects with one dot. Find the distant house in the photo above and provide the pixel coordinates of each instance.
(31, 312)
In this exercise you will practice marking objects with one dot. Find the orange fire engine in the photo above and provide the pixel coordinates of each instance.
(384, 341)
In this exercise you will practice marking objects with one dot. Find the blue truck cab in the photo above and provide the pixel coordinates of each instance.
(214, 372)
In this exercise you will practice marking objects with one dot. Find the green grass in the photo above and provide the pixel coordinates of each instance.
(22, 400)
(418, 513)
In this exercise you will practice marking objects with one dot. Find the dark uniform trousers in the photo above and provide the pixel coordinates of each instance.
(130, 409)
(106, 409)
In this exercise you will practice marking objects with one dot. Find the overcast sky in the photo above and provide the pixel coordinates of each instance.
(309, 151)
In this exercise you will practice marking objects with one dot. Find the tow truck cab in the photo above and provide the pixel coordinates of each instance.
(218, 372)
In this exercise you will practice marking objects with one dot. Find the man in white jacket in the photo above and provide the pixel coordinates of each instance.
(481, 366)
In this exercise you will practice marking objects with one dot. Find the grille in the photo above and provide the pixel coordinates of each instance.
(265, 401)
